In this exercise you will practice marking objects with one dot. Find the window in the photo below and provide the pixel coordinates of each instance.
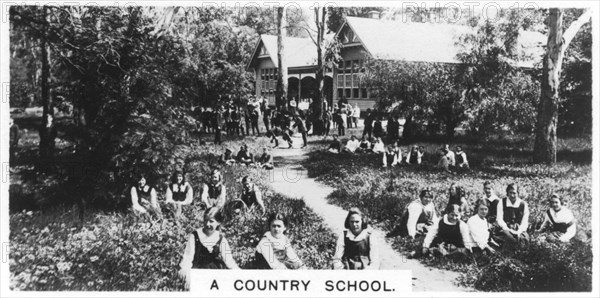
(340, 80)
(340, 92)
(267, 75)
(350, 79)
(271, 79)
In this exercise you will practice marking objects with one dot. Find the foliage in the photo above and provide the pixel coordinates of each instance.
(569, 269)
(112, 252)
(425, 93)
(575, 112)
(384, 193)
(53, 250)
(499, 93)
(131, 83)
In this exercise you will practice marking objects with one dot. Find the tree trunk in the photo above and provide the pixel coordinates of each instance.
(408, 129)
(545, 147)
(318, 101)
(47, 128)
(545, 139)
(450, 128)
(282, 84)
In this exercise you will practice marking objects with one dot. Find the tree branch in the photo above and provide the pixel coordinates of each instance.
(574, 28)
(64, 58)
(309, 34)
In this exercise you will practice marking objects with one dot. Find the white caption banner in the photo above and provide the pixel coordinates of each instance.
(300, 283)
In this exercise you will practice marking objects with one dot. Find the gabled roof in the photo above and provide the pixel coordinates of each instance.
(424, 42)
(300, 52)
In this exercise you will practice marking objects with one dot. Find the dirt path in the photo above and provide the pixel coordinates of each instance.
(291, 179)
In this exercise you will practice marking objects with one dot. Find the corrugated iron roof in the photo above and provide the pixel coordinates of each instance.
(396, 40)
(427, 42)
(299, 51)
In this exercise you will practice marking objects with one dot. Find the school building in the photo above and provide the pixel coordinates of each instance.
(363, 38)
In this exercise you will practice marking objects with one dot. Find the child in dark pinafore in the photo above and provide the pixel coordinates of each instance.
(143, 199)
(179, 193)
(355, 249)
(449, 235)
(207, 248)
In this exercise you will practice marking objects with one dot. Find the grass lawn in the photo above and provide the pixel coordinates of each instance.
(383, 194)
(51, 249)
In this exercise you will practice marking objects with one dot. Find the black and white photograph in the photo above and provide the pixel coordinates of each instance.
(444, 148)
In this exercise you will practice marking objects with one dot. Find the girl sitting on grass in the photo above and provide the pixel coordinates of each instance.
(559, 223)
(456, 195)
(179, 193)
(143, 199)
(512, 218)
(479, 227)
(365, 146)
(443, 163)
(418, 217)
(378, 146)
(274, 251)
(207, 248)
(449, 235)
(414, 156)
(354, 246)
(461, 158)
(214, 192)
(393, 156)
(492, 200)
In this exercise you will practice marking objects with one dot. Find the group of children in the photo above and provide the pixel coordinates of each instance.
(244, 156)
(180, 194)
(493, 222)
(393, 155)
(207, 247)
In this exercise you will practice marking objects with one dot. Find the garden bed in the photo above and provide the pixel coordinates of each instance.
(383, 193)
(51, 249)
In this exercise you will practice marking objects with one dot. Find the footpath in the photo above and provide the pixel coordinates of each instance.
(291, 179)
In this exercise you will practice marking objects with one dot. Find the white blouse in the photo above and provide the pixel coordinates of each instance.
(478, 228)
(563, 216)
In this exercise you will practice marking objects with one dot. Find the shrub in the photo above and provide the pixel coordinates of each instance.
(540, 267)
(53, 250)
(384, 193)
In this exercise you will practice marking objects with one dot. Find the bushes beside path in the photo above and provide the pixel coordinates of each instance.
(51, 249)
(383, 194)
